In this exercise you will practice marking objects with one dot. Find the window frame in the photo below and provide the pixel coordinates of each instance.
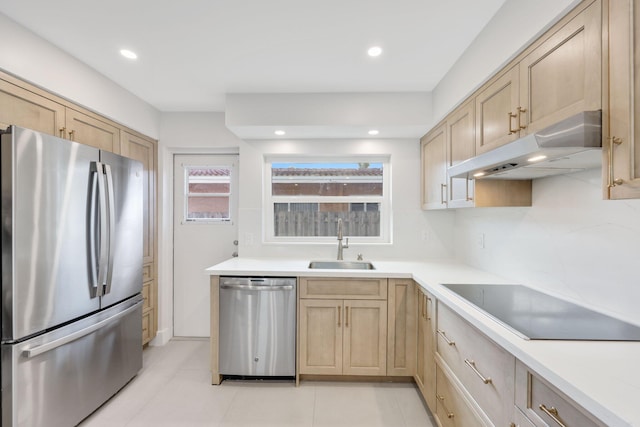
(270, 200)
(187, 194)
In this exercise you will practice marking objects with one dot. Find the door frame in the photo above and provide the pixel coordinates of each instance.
(165, 202)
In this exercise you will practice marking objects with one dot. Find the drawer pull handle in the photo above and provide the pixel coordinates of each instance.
(450, 414)
(440, 397)
(553, 414)
(427, 308)
(472, 365)
(339, 310)
(444, 337)
(510, 116)
(520, 111)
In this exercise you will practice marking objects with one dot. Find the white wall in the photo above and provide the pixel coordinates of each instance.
(516, 24)
(409, 221)
(206, 133)
(181, 133)
(570, 242)
(34, 59)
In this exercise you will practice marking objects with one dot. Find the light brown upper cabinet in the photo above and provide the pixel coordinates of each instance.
(621, 149)
(461, 145)
(449, 143)
(25, 105)
(497, 111)
(434, 168)
(21, 107)
(563, 75)
(88, 130)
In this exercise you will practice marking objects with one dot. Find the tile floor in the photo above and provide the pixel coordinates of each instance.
(173, 389)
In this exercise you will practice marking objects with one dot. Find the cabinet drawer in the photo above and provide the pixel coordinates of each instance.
(485, 369)
(451, 408)
(520, 420)
(146, 294)
(147, 272)
(534, 393)
(146, 326)
(334, 288)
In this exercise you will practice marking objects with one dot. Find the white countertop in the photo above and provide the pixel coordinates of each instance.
(601, 376)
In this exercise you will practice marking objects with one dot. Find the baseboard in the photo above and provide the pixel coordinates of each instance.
(162, 337)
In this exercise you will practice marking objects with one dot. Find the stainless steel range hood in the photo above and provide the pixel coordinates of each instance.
(571, 145)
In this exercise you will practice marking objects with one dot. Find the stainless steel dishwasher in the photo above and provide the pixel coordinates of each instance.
(257, 326)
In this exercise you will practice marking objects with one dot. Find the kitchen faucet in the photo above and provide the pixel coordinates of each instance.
(340, 245)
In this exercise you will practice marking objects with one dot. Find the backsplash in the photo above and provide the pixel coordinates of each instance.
(570, 243)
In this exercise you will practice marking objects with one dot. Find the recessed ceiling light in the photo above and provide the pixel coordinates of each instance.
(536, 158)
(128, 54)
(374, 51)
(374, 132)
(479, 174)
(279, 132)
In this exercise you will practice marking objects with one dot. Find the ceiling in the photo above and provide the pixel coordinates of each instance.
(193, 52)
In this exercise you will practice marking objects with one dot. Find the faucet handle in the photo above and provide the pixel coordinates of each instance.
(346, 245)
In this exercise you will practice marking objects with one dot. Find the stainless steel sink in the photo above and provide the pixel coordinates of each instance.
(342, 265)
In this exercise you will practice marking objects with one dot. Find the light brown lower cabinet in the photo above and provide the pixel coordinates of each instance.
(485, 368)
(452, 408)
(401, 328)
(343, 337)
(544, 405)
(425, 376)
(520, 420)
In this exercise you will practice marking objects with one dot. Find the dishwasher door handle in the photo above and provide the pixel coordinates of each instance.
(257, 288)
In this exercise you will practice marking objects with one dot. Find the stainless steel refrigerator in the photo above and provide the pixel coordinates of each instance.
(71, 277)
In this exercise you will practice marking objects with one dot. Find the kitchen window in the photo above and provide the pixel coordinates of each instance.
(306, 197)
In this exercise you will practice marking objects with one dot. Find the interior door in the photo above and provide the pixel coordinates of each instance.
(205, 233)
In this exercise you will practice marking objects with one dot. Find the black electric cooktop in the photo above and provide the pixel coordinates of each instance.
(538, 316)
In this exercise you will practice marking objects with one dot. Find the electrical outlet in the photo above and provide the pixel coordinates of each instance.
(425, 235)
(248, 239)
(480, 240)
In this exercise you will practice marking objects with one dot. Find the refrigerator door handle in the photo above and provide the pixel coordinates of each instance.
(38, 350)
(102, 206)
(91, 233)
(111, 225)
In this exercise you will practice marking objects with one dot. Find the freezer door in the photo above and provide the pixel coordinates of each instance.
(124, 179)
(47, 221)
(60, 378)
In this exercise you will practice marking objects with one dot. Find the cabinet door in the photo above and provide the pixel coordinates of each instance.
(320, 336)
(563, 76)
(401, 328)
(497, 112)
(426, 366)
(143, 150)
(365, 337)
(461, 145)
(83, 128)
(622, 147)
(24, 108)
(429, 350)
(421, 345)
(434, 168)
